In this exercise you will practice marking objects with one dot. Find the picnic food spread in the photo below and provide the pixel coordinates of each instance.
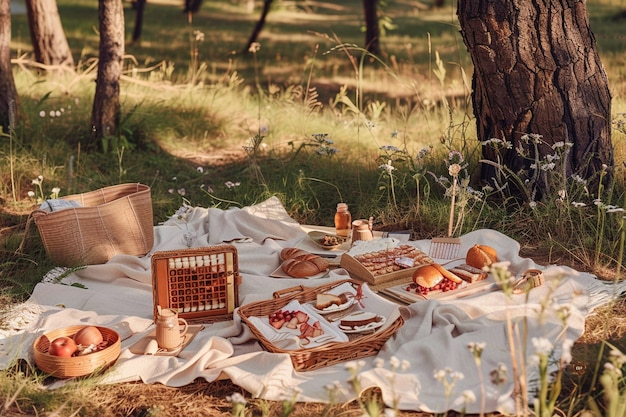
(260, 243)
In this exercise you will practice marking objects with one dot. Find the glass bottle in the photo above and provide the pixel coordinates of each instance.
(343, 220)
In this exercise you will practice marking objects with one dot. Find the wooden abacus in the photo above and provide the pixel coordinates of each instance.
(200, 283)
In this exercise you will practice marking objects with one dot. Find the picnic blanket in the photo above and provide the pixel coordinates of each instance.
(433, 339)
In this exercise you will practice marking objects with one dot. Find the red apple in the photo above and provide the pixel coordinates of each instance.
(63, 347)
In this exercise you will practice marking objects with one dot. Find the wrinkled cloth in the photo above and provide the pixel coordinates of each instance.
(435, 335)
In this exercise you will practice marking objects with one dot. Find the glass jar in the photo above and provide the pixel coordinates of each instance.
(343, 220)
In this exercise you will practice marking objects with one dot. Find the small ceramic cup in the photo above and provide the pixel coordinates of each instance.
(362, 230)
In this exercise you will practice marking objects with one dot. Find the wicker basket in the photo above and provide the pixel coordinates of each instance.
(359, 345)
(75, 366)
(110, 221)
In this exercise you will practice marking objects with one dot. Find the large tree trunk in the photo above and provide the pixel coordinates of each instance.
(537, 71)
(46, 33)
(8, 93)
(106, 104)
(372, 33)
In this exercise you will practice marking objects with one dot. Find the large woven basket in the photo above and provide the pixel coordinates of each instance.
(110, 221)
(308, 359)
(75, 366)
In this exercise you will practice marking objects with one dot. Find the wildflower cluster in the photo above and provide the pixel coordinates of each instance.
(545, 170)
(182, 215)
(39, 195)
(323, 144)
(399, 168)
(457, 187)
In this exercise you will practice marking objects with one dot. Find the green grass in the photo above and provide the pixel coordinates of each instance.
(179, 115)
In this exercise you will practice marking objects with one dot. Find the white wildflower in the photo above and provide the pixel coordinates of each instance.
(388, 167)
(454, 170)
(566, 355)
(542, 346)
(469, 396)
(236, 398)
(254, 47)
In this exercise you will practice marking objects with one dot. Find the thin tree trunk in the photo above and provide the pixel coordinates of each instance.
(372, 33)
(140, 5)
(47, 36)
(267, 4)
(537, 70)
(106, 104)
(8, 93)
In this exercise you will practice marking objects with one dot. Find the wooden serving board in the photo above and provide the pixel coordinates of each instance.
(399, 292)
(359, 271)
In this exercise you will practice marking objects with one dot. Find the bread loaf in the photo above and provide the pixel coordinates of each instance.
(299, 263)
(290, 253)
(303, 267)
(480, 256)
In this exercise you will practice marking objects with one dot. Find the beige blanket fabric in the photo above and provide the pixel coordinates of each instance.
(434, 337)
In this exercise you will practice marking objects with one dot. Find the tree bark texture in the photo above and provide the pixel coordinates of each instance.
(537, 70)
(8, 92)
(46, 33)
(106, 104)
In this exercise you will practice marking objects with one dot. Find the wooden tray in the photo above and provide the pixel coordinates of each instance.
(358, 270)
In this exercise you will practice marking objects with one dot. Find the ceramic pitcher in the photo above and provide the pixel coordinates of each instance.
(170, 329)
(362, 230)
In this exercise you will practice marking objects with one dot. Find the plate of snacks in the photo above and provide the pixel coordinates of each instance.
(327, 303)
(327, 241)
(361, 322)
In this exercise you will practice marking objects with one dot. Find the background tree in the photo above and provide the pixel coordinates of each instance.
(372, 31)
(46, 33)
(536, 70)
(8, 92)
(106, 105)
(139, 6)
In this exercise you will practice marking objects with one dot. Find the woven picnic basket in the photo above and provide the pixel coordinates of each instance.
(308, 359)
(76, 366)
(112, 220)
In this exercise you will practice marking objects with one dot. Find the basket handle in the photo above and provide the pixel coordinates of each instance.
(29, 221)
(286, 291)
